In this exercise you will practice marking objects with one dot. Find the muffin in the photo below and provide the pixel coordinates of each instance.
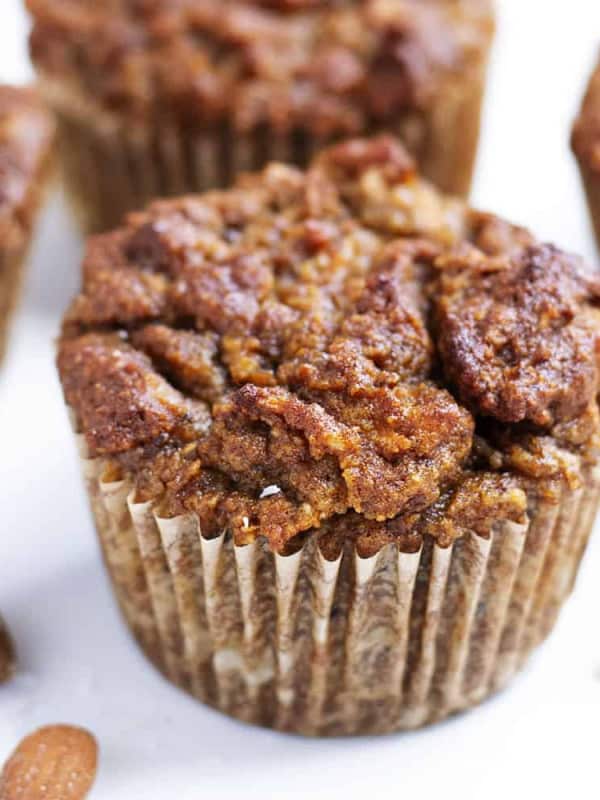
(340, 437)
(156, 98)
(586, 146)
(26, 132)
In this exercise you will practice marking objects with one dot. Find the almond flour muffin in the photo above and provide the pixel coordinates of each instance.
(586, 146)
(340, 436)
(26, 132)
(159, 97)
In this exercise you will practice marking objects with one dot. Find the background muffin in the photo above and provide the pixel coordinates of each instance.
(586, 146)
(340, 435)
(26, 133)
(157, 98)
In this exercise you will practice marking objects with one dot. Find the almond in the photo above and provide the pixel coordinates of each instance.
(7, 653)
(53, 763)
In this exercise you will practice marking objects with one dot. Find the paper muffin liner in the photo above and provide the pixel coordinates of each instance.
(111, 172)
(353, 645)
(11, 279)
(111, 167)
(591, 184)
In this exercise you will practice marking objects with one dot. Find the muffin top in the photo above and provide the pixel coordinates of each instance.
(26, 132)
(586, 131)
(336, 65)
(340, 352)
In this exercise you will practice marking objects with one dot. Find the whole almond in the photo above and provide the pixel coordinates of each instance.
(7, 653)
(54, 763)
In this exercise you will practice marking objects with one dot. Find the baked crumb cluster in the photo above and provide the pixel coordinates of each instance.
(336, 64)
(340, 352)
(26, 133)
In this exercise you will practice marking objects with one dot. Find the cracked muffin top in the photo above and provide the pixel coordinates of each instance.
(340, 352)
(336, 64)
(586, 131)
(26, 133)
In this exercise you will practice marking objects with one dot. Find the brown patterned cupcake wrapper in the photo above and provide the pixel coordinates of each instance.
(591, 184)
(351, 646)
(11, 279)
(111, 168)
(109, 174)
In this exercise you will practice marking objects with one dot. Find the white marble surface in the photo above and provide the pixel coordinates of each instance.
(78, 664)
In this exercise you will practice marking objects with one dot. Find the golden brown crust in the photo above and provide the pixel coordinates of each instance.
(280, 358)
(332, 67)
(121, 400)
(515, 336)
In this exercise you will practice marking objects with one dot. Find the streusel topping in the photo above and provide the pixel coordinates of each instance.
(342, 350)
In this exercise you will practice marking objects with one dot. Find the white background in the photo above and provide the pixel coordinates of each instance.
(77, 664)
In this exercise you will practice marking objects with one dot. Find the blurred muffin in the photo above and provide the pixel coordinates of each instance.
(156, 97)
(340, 436)
(586, 146)
(26, 133)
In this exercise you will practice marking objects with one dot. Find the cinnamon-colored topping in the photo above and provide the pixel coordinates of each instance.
(586, 131)
(333, 65)
(379, 452)
(26, 133)
(281, 358)
(515, 335)
(131, 404)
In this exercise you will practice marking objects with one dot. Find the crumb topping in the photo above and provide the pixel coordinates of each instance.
(515, 335)
(26, 133)
(340, 352)
(336, 63)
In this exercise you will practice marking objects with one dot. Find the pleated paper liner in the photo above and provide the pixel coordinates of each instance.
(350, 646)
(591, 184)
(11, 278)
(111, 167)
(110, 174)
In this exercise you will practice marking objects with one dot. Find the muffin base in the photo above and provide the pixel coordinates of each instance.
(111, 168)
(352, 646)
